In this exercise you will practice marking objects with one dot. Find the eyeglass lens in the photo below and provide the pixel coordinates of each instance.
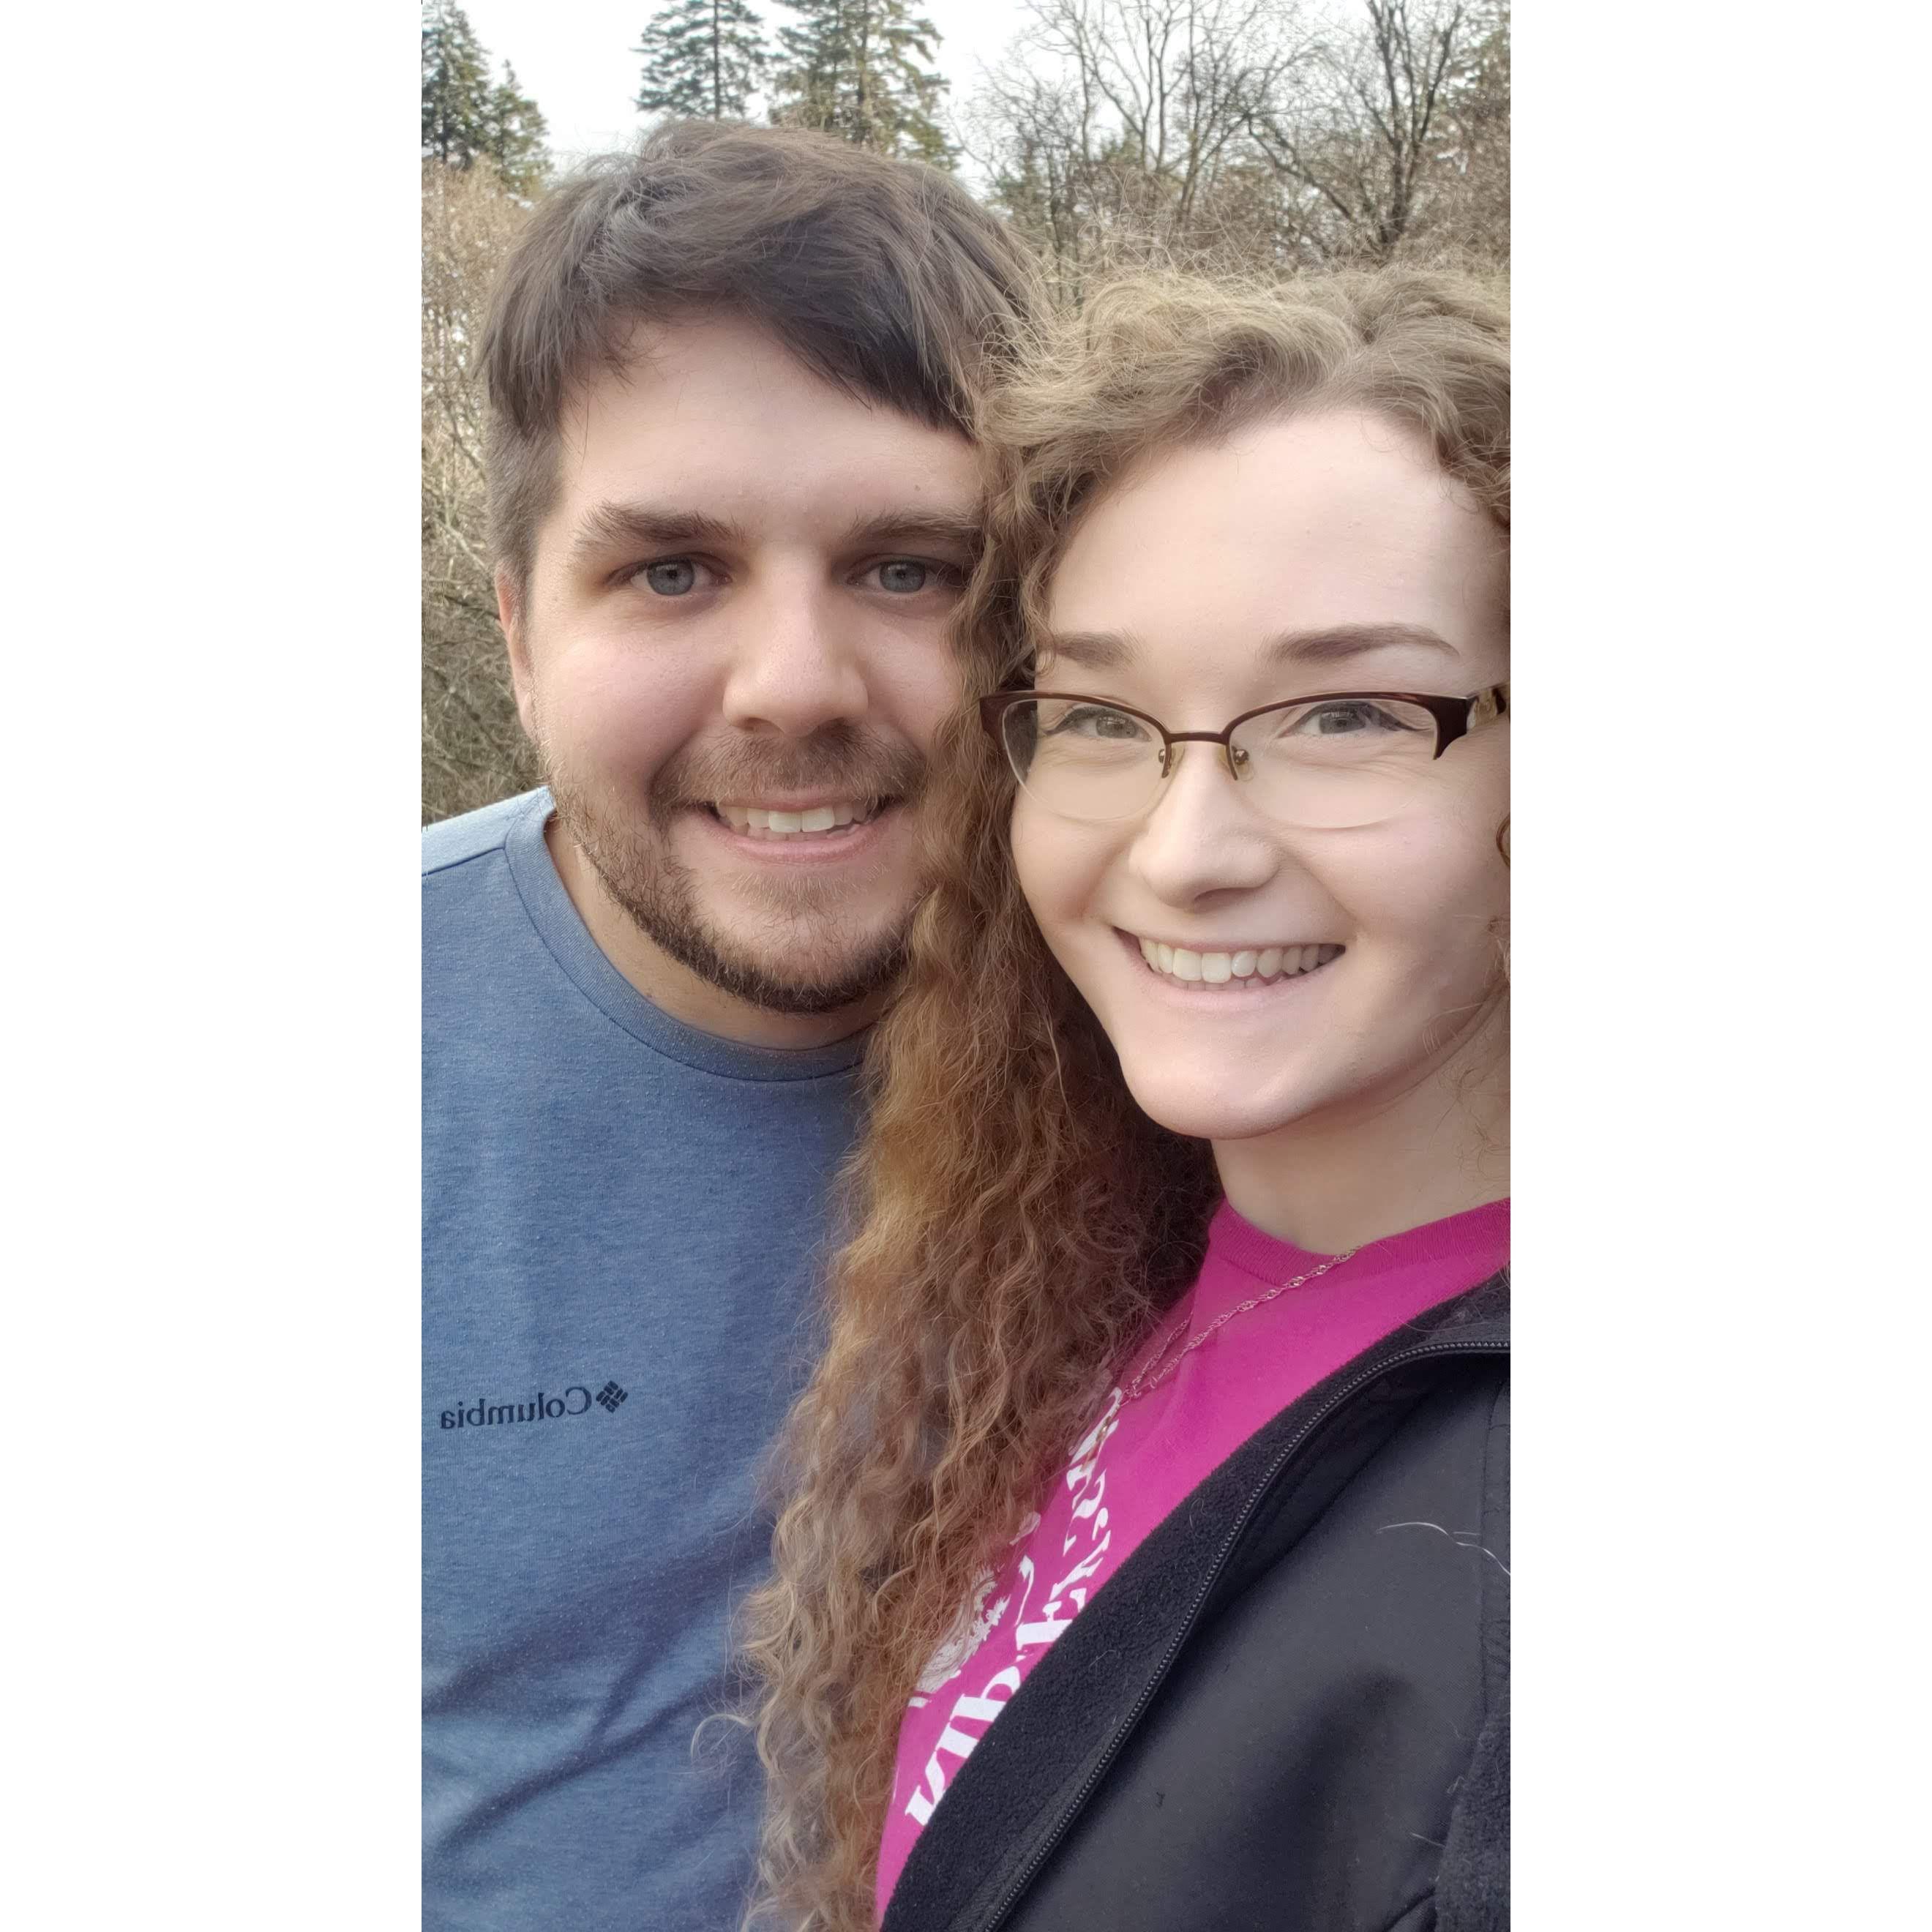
(1326, 763)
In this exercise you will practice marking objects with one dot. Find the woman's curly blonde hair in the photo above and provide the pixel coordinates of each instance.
(1017, 1220)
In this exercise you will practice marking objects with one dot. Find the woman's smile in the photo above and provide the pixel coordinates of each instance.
(1205, 967)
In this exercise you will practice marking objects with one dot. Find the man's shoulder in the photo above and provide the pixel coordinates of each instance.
(474, 835)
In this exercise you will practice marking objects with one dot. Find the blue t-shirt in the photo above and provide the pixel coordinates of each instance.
(622, 1219)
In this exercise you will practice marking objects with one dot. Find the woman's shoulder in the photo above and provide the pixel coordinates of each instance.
(1311, 1636)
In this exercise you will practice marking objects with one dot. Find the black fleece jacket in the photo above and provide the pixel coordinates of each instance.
(1289, 1707)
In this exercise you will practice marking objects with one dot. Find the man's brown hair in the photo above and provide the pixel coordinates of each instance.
(884, 277)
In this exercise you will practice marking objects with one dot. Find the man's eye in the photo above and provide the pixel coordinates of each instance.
(676, 577)
(903, 576)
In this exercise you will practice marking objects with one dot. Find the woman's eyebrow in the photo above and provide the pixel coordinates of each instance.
(1096, 650)
(1336, 643)
(1333, 644)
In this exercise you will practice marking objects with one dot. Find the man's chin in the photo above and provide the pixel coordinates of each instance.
(812, 967)
(782, 984)
(798, 959)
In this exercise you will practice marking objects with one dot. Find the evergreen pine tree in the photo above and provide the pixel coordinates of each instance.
(456, 91)
(465, 117)
(514, 136)
(860, 69)
(702, 57)
(805, 93)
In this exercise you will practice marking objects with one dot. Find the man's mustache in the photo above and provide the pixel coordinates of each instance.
(844, 762)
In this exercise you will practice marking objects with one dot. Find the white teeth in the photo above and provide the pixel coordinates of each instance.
(1248, 966)
(760, 822)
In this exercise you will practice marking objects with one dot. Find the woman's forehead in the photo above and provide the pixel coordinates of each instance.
(1321, 528)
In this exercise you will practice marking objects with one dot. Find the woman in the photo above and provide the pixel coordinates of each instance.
(1167, 1373)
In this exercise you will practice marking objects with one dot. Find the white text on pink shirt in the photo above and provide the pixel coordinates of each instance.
(1085, 1487)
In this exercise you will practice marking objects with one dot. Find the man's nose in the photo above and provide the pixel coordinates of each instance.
(1203, 835)
(795, 667)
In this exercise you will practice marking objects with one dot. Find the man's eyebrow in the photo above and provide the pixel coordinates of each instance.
(1337, 643)
(608, 527)
(951, 529)
(623, 525)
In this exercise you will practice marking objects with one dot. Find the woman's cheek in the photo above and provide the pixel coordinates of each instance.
(1047, 864)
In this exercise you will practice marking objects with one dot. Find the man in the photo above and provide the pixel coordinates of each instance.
(733, 502)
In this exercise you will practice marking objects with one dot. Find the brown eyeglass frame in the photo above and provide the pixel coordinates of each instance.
(1454, 716)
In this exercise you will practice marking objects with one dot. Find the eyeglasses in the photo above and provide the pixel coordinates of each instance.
(1342, 760)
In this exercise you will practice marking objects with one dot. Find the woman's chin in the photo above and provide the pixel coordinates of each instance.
(1208, 1108)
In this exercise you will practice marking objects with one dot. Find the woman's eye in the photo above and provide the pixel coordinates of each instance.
(676, 577)
(1335, 721)
(1093, 720)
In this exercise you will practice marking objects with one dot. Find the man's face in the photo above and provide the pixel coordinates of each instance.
(734, 657)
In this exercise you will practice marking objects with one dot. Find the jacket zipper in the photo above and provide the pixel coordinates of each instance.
(1423, 1352)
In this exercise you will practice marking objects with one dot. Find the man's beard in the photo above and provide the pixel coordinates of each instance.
(662, 896)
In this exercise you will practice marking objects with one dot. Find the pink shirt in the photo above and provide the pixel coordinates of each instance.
(1144, 1454)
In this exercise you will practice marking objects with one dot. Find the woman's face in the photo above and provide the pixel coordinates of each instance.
(1275, 565)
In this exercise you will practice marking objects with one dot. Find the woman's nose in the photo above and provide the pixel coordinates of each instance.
(1203, 834)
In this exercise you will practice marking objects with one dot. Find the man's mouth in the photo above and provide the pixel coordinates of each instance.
(1237, 968)
(826, 819)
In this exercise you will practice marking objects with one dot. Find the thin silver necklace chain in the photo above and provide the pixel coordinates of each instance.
(1142, 1385)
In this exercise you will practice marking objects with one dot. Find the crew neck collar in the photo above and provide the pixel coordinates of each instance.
(1479, 1236)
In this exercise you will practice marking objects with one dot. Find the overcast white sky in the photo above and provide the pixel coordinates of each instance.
(574, 57)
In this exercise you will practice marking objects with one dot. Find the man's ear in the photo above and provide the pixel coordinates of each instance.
(510, 615)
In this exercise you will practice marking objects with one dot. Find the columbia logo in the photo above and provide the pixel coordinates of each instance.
(575, 1400)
